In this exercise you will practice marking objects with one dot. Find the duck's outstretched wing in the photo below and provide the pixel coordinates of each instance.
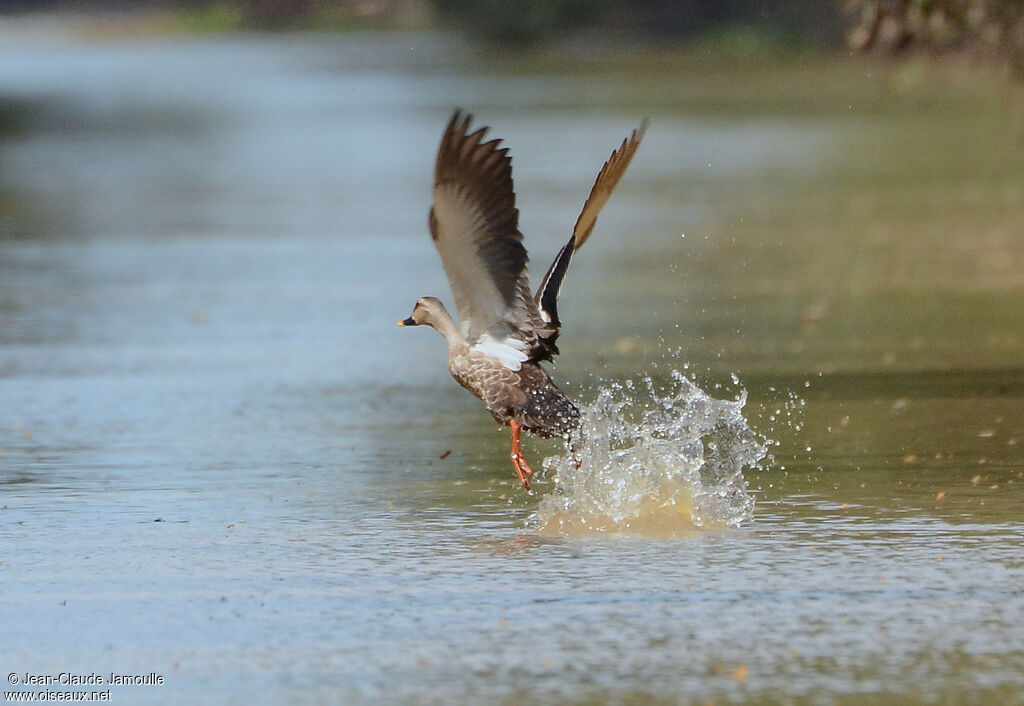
(607, 179)
(475, 226)
(546, 298)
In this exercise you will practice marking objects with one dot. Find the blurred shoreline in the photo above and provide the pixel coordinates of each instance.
(737, 42)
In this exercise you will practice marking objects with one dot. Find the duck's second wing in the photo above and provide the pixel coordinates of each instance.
(608, 178)
(475, 226)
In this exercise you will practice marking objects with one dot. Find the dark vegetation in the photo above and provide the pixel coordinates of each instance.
(799, 20)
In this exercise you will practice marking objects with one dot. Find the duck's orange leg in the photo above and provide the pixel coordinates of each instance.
(523, 469)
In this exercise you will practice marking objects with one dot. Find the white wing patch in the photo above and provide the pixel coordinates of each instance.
(511, 352)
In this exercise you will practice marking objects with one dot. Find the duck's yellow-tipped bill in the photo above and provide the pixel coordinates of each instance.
(407, 322)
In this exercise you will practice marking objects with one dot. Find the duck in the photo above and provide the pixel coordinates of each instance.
(506, 330)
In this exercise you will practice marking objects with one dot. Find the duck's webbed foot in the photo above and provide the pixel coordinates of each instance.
(523, 469)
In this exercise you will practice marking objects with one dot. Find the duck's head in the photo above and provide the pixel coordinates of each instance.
(428, 310)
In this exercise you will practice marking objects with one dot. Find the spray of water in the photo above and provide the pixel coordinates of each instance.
(655, 458)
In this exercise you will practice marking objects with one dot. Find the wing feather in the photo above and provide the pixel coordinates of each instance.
(475, 226)
(607, 179)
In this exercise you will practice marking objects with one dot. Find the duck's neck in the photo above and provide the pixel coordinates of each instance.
(442, 323)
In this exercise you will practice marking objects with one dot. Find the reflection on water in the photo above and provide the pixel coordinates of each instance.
(676, 467)
(220, 461)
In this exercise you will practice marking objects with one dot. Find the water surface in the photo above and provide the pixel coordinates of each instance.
(220, 461)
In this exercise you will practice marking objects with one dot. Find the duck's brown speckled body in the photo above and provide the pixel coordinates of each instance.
(506, 331)
(527, 396)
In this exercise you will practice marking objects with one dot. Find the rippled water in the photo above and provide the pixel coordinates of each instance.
(221, 462)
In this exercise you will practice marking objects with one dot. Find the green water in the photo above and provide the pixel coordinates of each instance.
(221, 462)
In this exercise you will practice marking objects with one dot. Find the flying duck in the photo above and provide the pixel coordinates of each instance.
(505, 332)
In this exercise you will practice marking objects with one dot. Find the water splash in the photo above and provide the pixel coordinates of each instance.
(656, 458)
